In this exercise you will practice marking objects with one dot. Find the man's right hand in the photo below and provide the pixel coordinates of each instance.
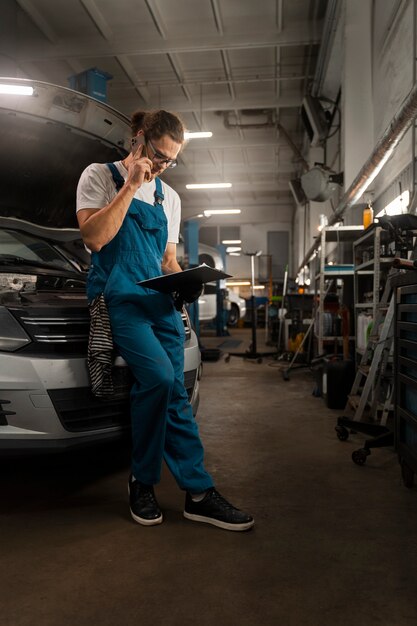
(139, 170)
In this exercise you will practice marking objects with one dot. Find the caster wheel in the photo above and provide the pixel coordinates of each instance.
(342, 433)
(359, 456)
(407, 475)
(285, 375)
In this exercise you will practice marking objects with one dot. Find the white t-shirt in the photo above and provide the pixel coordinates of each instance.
(96, 189)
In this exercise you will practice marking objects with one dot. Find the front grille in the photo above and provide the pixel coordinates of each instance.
(79, 410)
(55, 330)
(189, 380)
(62, 330)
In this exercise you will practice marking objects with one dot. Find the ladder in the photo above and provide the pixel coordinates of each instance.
(373, 388)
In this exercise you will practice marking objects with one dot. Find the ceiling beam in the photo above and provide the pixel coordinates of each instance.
(37, 18)
(97, 18)
(210, 103)
(95, 47)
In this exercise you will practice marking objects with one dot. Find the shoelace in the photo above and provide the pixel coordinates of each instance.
(222, 501)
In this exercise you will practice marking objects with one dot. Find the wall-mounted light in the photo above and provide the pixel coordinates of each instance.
(209, 212)
(208, 185)
(16, 90)
(231, 241)
(198, 135)
(397, 206)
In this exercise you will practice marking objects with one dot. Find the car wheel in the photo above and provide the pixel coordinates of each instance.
(233, 315)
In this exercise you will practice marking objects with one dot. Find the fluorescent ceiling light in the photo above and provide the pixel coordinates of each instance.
(259, 286)
(233, 249)
(209, 186)
(209, 212)
(16, 90)
(234, 253)
(231, 241)
(237, 283)
(198, 135)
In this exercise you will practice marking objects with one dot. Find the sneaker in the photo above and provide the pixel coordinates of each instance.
(216, 510)
(144, 507)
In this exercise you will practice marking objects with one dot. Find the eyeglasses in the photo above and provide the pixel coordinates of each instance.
(161, 159)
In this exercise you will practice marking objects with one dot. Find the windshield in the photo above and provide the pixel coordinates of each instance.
(23, 247)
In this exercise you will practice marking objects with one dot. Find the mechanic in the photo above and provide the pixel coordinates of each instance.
(130, 222)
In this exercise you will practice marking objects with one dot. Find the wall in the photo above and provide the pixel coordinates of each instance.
(372, 57)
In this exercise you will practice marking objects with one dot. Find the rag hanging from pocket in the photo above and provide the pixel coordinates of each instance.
(100, 349)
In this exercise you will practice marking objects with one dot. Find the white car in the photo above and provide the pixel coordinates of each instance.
(45, 398)
(207, 303)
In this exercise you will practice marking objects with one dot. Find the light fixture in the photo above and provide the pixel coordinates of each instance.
(208, 186)
(234, 253)
(209, 212)
(233, 249)
(259, 287)
(198, 135)
(16, 90)
(231, 241)
(237, 283)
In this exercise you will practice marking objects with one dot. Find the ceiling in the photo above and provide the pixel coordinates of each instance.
(238, 68)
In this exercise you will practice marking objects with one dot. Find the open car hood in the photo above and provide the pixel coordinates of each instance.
(47, 141)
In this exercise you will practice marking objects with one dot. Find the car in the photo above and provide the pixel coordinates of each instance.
(207, 303)
(46, 403)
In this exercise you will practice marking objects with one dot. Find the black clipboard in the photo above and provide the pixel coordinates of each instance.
(168, 283)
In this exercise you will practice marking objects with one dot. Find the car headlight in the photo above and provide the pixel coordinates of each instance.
(12, 335)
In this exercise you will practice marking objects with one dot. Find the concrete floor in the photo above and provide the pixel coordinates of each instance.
(334, 544)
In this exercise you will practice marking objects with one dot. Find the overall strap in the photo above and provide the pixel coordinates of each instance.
(117, 177)
(158, 194)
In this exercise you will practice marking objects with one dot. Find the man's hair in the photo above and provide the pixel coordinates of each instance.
(155, 124)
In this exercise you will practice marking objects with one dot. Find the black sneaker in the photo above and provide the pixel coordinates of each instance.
(216, 510)
(143, 505)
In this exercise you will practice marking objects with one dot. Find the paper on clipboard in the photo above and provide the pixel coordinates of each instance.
(168, 283)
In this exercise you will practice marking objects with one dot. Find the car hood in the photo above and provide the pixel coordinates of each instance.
(47, 141)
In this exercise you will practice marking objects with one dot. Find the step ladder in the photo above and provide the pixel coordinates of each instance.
(373, 389)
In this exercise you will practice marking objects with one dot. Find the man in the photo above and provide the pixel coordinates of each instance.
(130, 222)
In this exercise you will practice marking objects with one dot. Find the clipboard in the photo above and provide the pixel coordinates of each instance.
(168, 283)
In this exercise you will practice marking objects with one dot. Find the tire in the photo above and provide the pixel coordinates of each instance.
(233, 316)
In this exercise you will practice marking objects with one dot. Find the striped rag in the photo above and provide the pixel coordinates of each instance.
(100, 349)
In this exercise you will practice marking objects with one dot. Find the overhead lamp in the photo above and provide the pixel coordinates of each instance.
(16, 90)
(198, 135)
(259, 287)
(233, 249)
(234, 253)
(231, 241)
(208, 186)
(237, 283)
(209, 212)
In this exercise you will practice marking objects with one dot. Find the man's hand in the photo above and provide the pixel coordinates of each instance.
(139, 170)
(188, 294)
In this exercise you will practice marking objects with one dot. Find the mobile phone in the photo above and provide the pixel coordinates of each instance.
(137, 141)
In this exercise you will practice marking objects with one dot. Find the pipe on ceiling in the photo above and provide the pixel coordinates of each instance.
(386, 145)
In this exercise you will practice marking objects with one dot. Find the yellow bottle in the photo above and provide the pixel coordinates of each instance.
(368, 216)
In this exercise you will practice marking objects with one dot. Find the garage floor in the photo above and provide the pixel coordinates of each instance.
(334, 544)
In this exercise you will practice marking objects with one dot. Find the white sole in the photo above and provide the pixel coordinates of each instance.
(146, 522)
(219, 523)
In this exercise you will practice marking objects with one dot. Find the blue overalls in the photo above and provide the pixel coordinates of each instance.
(148, 332)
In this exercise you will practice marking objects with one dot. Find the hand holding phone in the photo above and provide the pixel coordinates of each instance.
(140, 169)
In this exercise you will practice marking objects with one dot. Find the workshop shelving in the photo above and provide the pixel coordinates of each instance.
(332, 275)
(373, 254)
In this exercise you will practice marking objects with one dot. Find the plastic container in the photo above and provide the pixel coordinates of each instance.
(368, 216)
